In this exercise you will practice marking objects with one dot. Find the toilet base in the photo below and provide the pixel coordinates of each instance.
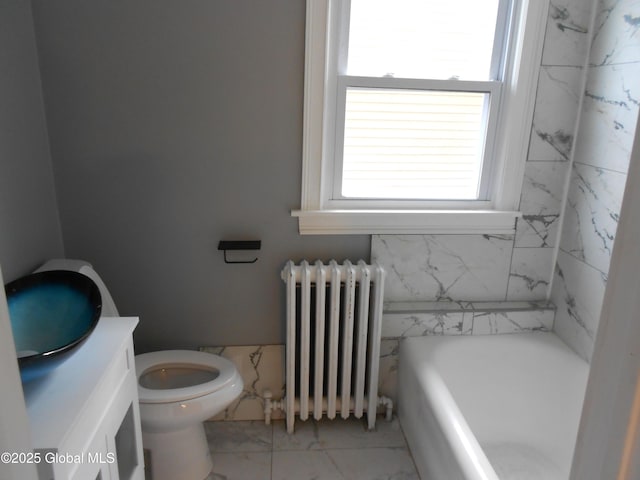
(181, 454)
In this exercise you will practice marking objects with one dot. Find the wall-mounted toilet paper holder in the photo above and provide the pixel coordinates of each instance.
(235, 245)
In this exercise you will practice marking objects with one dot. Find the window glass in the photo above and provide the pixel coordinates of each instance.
(436, 39)
(412, 144)
(426, 141)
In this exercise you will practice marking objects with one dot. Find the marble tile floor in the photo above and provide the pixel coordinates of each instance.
(324, 450)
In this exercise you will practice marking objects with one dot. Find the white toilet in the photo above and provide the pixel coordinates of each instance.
(177, 390)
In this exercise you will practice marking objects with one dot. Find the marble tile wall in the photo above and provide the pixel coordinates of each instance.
(598, 174)
(444, 267)
(261, 367)
(508, 268)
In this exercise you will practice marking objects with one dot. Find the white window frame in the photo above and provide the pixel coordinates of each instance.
(321, 213)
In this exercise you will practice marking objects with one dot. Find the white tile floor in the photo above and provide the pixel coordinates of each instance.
(326, 450)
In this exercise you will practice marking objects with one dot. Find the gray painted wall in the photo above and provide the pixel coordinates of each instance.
(29, 223)
(174, 125)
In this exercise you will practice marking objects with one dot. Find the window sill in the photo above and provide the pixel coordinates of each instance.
(462, 222)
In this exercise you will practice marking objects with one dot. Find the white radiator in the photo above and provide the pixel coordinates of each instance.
(334, 315)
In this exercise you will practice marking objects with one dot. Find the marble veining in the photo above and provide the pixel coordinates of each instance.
(609, 116)
(537, 230)
(578, 294)
(563, 21)
(591, 217)
(542, 189)
(566, 38)
(492, 323)
(418, 324)
(616, 37)
(444, 267)
(261, 368)
(530, 273)
(601, 160)
(540, 204)
(555, 113)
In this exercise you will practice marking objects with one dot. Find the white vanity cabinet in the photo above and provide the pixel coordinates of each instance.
(84, 415)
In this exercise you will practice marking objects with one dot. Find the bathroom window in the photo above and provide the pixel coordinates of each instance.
(417, 114)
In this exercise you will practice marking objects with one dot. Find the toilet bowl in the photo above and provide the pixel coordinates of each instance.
(177, 391)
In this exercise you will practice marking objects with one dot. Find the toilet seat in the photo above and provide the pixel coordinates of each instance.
(181, 359)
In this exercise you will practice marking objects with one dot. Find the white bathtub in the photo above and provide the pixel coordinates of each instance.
(492, 406)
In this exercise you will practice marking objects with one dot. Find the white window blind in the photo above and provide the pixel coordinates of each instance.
(412, 144)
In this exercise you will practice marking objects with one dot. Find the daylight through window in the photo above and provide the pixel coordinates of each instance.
(418, 94)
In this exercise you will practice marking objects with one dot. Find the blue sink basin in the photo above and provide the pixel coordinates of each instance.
(52, 313)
